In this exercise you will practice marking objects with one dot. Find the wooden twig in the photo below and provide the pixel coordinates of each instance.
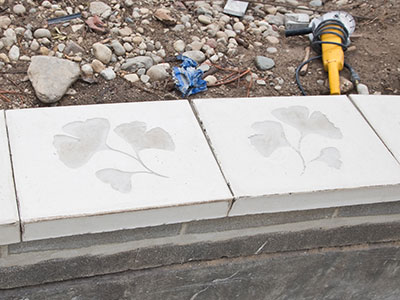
(232, 79)
(303, 70)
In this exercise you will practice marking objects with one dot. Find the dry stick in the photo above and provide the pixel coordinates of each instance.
(4, 98)
(303, 70)
(233, 79)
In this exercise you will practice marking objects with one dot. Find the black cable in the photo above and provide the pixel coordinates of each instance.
(324, 28)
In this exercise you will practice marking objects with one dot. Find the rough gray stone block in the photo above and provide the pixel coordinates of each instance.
(387, 208)
(336, 274)
(151, 257)
(87, 240)
(249, 221)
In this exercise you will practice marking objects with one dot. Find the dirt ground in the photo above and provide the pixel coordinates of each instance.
(376, 58)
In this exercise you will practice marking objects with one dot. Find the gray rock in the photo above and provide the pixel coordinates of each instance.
(51, 77)
(5, 21)
(210, 80)
(34, 45)
(272, 50)
(13, 54)
(118, 48)
(108, 74)
(87, 69)
(28, 34)
(264, 63)
(276, 19)
(362, 89)
(102, 52)
(131, 78)
(145, 78)
(98, 8)
(41, 33)
(157, 73)
(135, 63)
(204, 19)
(197, 56)
(73, 48)
(316, 3)
(19, 9)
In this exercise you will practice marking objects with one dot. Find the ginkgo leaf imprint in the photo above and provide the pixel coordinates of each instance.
(330, 156)
(271, 134)
(299, 118)
(84, 139)
(136, 134)
(270, 137)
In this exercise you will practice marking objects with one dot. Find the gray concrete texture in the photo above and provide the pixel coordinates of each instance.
(54, 270)
(348, 273)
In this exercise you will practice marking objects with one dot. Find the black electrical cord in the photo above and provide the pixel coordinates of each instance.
(323, 28)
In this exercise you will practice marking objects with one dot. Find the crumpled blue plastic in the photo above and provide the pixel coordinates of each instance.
(188, 78)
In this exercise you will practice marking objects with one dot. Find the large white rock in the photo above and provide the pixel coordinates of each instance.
(98, 8)
(51, 77)
(196, 55)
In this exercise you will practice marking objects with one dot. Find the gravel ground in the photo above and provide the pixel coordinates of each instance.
(129, 56)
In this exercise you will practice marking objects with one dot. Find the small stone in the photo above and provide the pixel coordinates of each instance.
(135, 63)
(98, 8)
(28, 34)
(87, 70)
(51, 77)
(44, 51)
(272, 50)
(118, 48)
(277, 87)
(144, 78)
(131, 78)
(5, 21)
(35, 45)
(316, 3)
(4, 57)
(97, 66)
(46, 4)
(197, 56)
(272, 40)
(108, 74)
(158, 73)
(264, 63)
(261, 82)
(42, 33)
(77, 27)
(73, 48)
(102, 52)
(238, 27)
(179, 46)
(204, 19)
(137, 40)
(13, 54)
(164, 16)
(362, 89)
(19, 9)
(211, 80)
(125, 31)
(128, 47)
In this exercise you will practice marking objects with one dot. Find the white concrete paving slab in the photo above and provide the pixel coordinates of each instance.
(109, 167)
(383, 114)
(9, 220)
(294, 153)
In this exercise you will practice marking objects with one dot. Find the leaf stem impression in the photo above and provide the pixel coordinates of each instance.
(139, 160)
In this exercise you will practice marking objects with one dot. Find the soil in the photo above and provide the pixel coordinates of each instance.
(376, 58)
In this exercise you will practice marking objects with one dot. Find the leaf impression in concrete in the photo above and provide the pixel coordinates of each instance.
(271, 134)
(86, 138)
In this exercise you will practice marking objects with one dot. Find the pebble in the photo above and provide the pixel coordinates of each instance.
(272, 50)
(51, 77)
(108, 74)
(158, 73)
(238, 27)
(264, 63)
(19, 9)
(144, 78)
(179, 46)
(362, 89)
(42, 33)
(316, 3)
(13, 54)
(87, 69)
(5, 21)
(131, 78)
(211, 80)
(128, 47)
(204, 19)
(102, 52)
(133, 64)
(261, 82)
(98, 8)
(125, 31)
(272, 40)
(196, 55)
(97, 66)
(118, 48)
